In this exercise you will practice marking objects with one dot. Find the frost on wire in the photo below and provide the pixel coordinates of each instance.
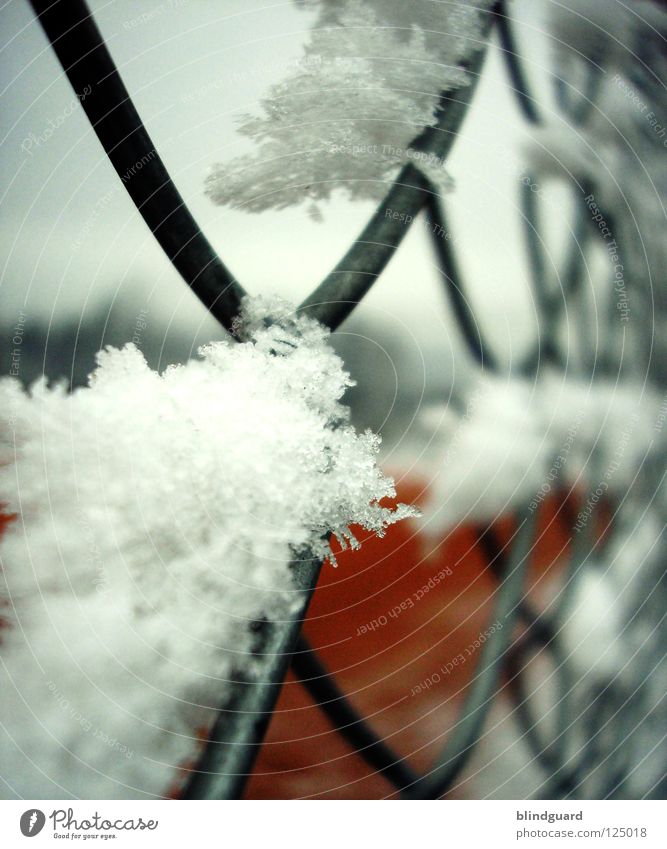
(520, 442)
(156, 518)
(369, 81)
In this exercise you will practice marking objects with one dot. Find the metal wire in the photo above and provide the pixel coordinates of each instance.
(478, 347)
(549, 754)
(466, 733)
(525, 100)
(570, 283)
(344, 287)
(80, 48)
(239, 729)
(351, 725)
(540, 635)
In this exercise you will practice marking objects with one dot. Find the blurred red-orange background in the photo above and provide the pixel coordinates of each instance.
(379, 659)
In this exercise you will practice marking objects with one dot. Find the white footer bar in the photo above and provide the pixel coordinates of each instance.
(343, 825)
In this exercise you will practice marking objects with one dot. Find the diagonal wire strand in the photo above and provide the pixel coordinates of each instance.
(461, 743)
(478, 347)
(344, 287)
(237, 735)
(525, 100)
(571, 281)
(80, 48)
(351, 725)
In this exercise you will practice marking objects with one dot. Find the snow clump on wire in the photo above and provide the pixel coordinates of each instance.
(370, 80)
(518, 442)
(155, 520)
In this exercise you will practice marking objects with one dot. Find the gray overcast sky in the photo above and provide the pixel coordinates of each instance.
(191, 69)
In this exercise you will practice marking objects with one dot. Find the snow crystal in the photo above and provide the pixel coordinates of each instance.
(156, 516)
(370, 81)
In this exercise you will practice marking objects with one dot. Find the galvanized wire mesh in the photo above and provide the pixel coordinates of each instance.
(592, 751)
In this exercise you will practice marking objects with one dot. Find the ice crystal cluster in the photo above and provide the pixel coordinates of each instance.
(369, 81)
(156, 517)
